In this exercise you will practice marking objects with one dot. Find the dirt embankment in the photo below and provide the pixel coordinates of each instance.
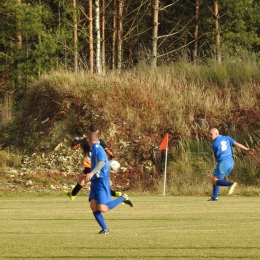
(134, 114)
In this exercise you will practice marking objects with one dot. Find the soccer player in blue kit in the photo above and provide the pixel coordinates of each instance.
(100, 194)
(83, 143)
(222, 148)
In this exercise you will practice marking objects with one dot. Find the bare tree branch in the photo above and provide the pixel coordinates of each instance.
(167, 6)
(182, 47)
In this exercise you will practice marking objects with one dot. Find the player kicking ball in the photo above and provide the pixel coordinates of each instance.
(82, 143)
(222, 148)
(100, 195)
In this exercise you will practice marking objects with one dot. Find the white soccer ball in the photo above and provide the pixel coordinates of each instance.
(114, 165)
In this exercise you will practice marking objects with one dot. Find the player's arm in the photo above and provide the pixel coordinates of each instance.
(96, 170)
(101, 159)
(107, 150)
(76, 143)
(249, 150)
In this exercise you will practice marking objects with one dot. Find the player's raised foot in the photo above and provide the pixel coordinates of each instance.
(232, 188)
(103, 232)
(127, 200)
(69, 194)
(118, 194)
(213, 199)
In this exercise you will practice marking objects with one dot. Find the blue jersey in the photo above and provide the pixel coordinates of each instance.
(222, 147)
(98, 154)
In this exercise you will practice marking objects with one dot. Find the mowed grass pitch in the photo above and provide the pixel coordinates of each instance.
(52, 227)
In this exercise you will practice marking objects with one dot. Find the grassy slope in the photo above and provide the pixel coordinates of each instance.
(156, 228)
(137, 108)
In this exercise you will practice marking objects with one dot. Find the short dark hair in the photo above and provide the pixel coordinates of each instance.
(93, 127)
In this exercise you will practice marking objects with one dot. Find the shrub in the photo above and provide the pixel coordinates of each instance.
(136, 108)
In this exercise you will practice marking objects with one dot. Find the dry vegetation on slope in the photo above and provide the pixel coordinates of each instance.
(136, 109)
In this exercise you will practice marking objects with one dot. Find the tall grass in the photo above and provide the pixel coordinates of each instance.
(136, 108)
(9, 159)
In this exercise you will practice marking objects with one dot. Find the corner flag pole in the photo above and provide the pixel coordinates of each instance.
(165, 171)
(163, 146)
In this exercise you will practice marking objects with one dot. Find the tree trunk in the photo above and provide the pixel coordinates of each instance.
(103, 28)
(98, 39)
(75, 35)
(119, 35)
(59, 33)
(155, 33)
(196, 30)
(91, 41)
(40, 44)
(19, 34)
(114, 36)
(19, 46)
(216, 13)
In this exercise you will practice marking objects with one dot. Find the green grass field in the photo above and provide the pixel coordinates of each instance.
(52, 227)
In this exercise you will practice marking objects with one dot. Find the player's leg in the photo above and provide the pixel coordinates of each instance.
(111, 204)
(223, 168)
(80, 183)
(215, 188)
(124, 199)
(105, 202)
(104, 194)
(99, 217)
(113, 192)
(230, 166)
(93, 198)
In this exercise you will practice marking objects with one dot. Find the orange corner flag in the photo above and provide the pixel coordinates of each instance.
(164, 143)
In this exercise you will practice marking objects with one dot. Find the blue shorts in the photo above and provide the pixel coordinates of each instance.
(223, 168)
(100, 190)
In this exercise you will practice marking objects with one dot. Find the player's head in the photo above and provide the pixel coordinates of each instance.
(94, 128)
(213, 133)
(92, 138)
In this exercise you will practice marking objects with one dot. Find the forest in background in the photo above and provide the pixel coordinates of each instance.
(39, 36)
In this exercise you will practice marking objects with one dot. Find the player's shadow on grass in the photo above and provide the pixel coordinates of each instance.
(110, 219)
(53, 219)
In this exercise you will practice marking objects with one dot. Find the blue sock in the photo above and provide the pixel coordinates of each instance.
(100, 220)
(215, 191)
(113, 203)
(223, 183)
